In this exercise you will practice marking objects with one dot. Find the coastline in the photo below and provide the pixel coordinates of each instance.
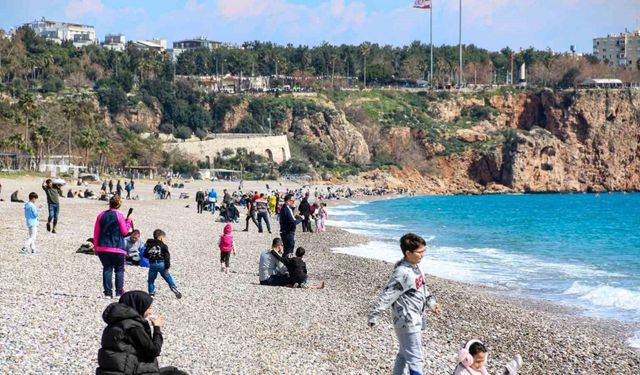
(51, 321)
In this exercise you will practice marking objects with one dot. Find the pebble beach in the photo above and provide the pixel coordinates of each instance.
(51, 304)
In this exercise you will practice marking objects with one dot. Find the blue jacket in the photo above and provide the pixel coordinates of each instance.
(31, 214)
(288, 222)
(109, 232)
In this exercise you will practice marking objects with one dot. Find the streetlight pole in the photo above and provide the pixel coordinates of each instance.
(431, 45)
(460, 46)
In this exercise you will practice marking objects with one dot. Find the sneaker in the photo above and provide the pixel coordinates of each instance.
(152, 295)
(513, 366)
(245, 230)
(24, 250)
(105, 296)
(48, 227)
(221, 269)
(53, 230)
(176, 292)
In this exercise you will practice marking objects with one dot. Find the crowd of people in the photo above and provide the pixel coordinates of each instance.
(133, 335)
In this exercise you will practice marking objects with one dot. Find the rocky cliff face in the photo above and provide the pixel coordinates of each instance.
(573, 141)
(329, 128)
(151, 118)
(561, 142)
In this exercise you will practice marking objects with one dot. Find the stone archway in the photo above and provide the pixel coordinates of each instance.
(208, 162)
(269, 154)
(284, 156)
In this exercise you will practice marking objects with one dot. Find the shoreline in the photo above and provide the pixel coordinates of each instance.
(51, 321)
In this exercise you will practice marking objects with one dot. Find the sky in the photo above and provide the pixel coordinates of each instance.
(491, 24)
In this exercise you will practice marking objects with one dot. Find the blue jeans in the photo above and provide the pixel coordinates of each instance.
(212, 207)
(263, 215)
(112, 262)
(410, 354)
(154, 270)
(54, 210)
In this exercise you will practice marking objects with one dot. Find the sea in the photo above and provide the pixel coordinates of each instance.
(579, 250)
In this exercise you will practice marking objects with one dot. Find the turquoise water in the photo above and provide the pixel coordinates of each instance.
(582, 249)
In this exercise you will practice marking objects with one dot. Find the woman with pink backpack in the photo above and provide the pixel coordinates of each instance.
(227, 246)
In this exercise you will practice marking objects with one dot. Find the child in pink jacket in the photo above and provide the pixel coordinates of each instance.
(227, 246)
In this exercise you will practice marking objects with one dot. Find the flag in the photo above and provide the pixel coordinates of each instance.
(422, 4)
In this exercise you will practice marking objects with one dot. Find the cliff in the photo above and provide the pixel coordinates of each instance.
(573, 141)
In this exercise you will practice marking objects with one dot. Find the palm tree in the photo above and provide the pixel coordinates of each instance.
(87, 140)
(243, 160)
(27, 106)
(103, 147)
(40, 137)
(365, 48)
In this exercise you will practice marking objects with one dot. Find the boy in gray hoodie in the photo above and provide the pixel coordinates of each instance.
(407, 294)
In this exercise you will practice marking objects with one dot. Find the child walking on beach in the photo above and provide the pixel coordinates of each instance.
(227, 246)
(323, 215)
(31, 213)
(159, 262)
(473, 361)
(407, 294)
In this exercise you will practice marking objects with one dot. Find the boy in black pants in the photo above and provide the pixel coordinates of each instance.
(297, 269)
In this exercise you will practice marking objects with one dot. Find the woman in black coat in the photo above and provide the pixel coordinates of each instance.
(128, 346)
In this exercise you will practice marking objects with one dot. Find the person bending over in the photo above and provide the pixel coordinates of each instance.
(128, 346)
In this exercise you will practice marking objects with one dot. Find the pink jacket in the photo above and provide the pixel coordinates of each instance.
(226, 240)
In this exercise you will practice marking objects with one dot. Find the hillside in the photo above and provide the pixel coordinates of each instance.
(442, 143)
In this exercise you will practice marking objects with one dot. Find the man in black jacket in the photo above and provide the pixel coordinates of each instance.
(305, 211)
(200, 200)
(288, 224)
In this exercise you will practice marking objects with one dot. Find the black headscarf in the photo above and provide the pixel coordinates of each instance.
(138, 300)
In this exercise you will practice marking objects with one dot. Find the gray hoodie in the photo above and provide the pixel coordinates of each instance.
(407, 294)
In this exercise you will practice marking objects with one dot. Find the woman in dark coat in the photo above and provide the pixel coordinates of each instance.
(128, 346)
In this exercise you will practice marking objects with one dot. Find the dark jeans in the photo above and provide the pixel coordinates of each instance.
(263, 215)
(276, 280)
(154, 270)
(251, 216)
(54, 210)
(289, 242)
(200, 206)
(112, 262)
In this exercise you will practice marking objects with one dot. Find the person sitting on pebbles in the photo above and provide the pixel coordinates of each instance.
(271, 271)
(298, 270)
(128, 346)
(473, 361)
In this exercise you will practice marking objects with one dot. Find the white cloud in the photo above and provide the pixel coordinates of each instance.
(76, 8)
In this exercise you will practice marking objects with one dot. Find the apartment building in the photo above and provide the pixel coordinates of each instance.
(116, 42)
(80, 35)
(619, 50)
(197, 43)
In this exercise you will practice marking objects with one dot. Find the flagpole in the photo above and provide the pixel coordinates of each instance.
(431, 44)
(460, 45)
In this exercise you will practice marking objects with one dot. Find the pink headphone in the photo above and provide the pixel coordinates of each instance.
(466, 359)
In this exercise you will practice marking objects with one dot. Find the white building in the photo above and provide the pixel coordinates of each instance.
(196, 43)
(116, 42)
(619, 50)
(158, 45)
(58, 32)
